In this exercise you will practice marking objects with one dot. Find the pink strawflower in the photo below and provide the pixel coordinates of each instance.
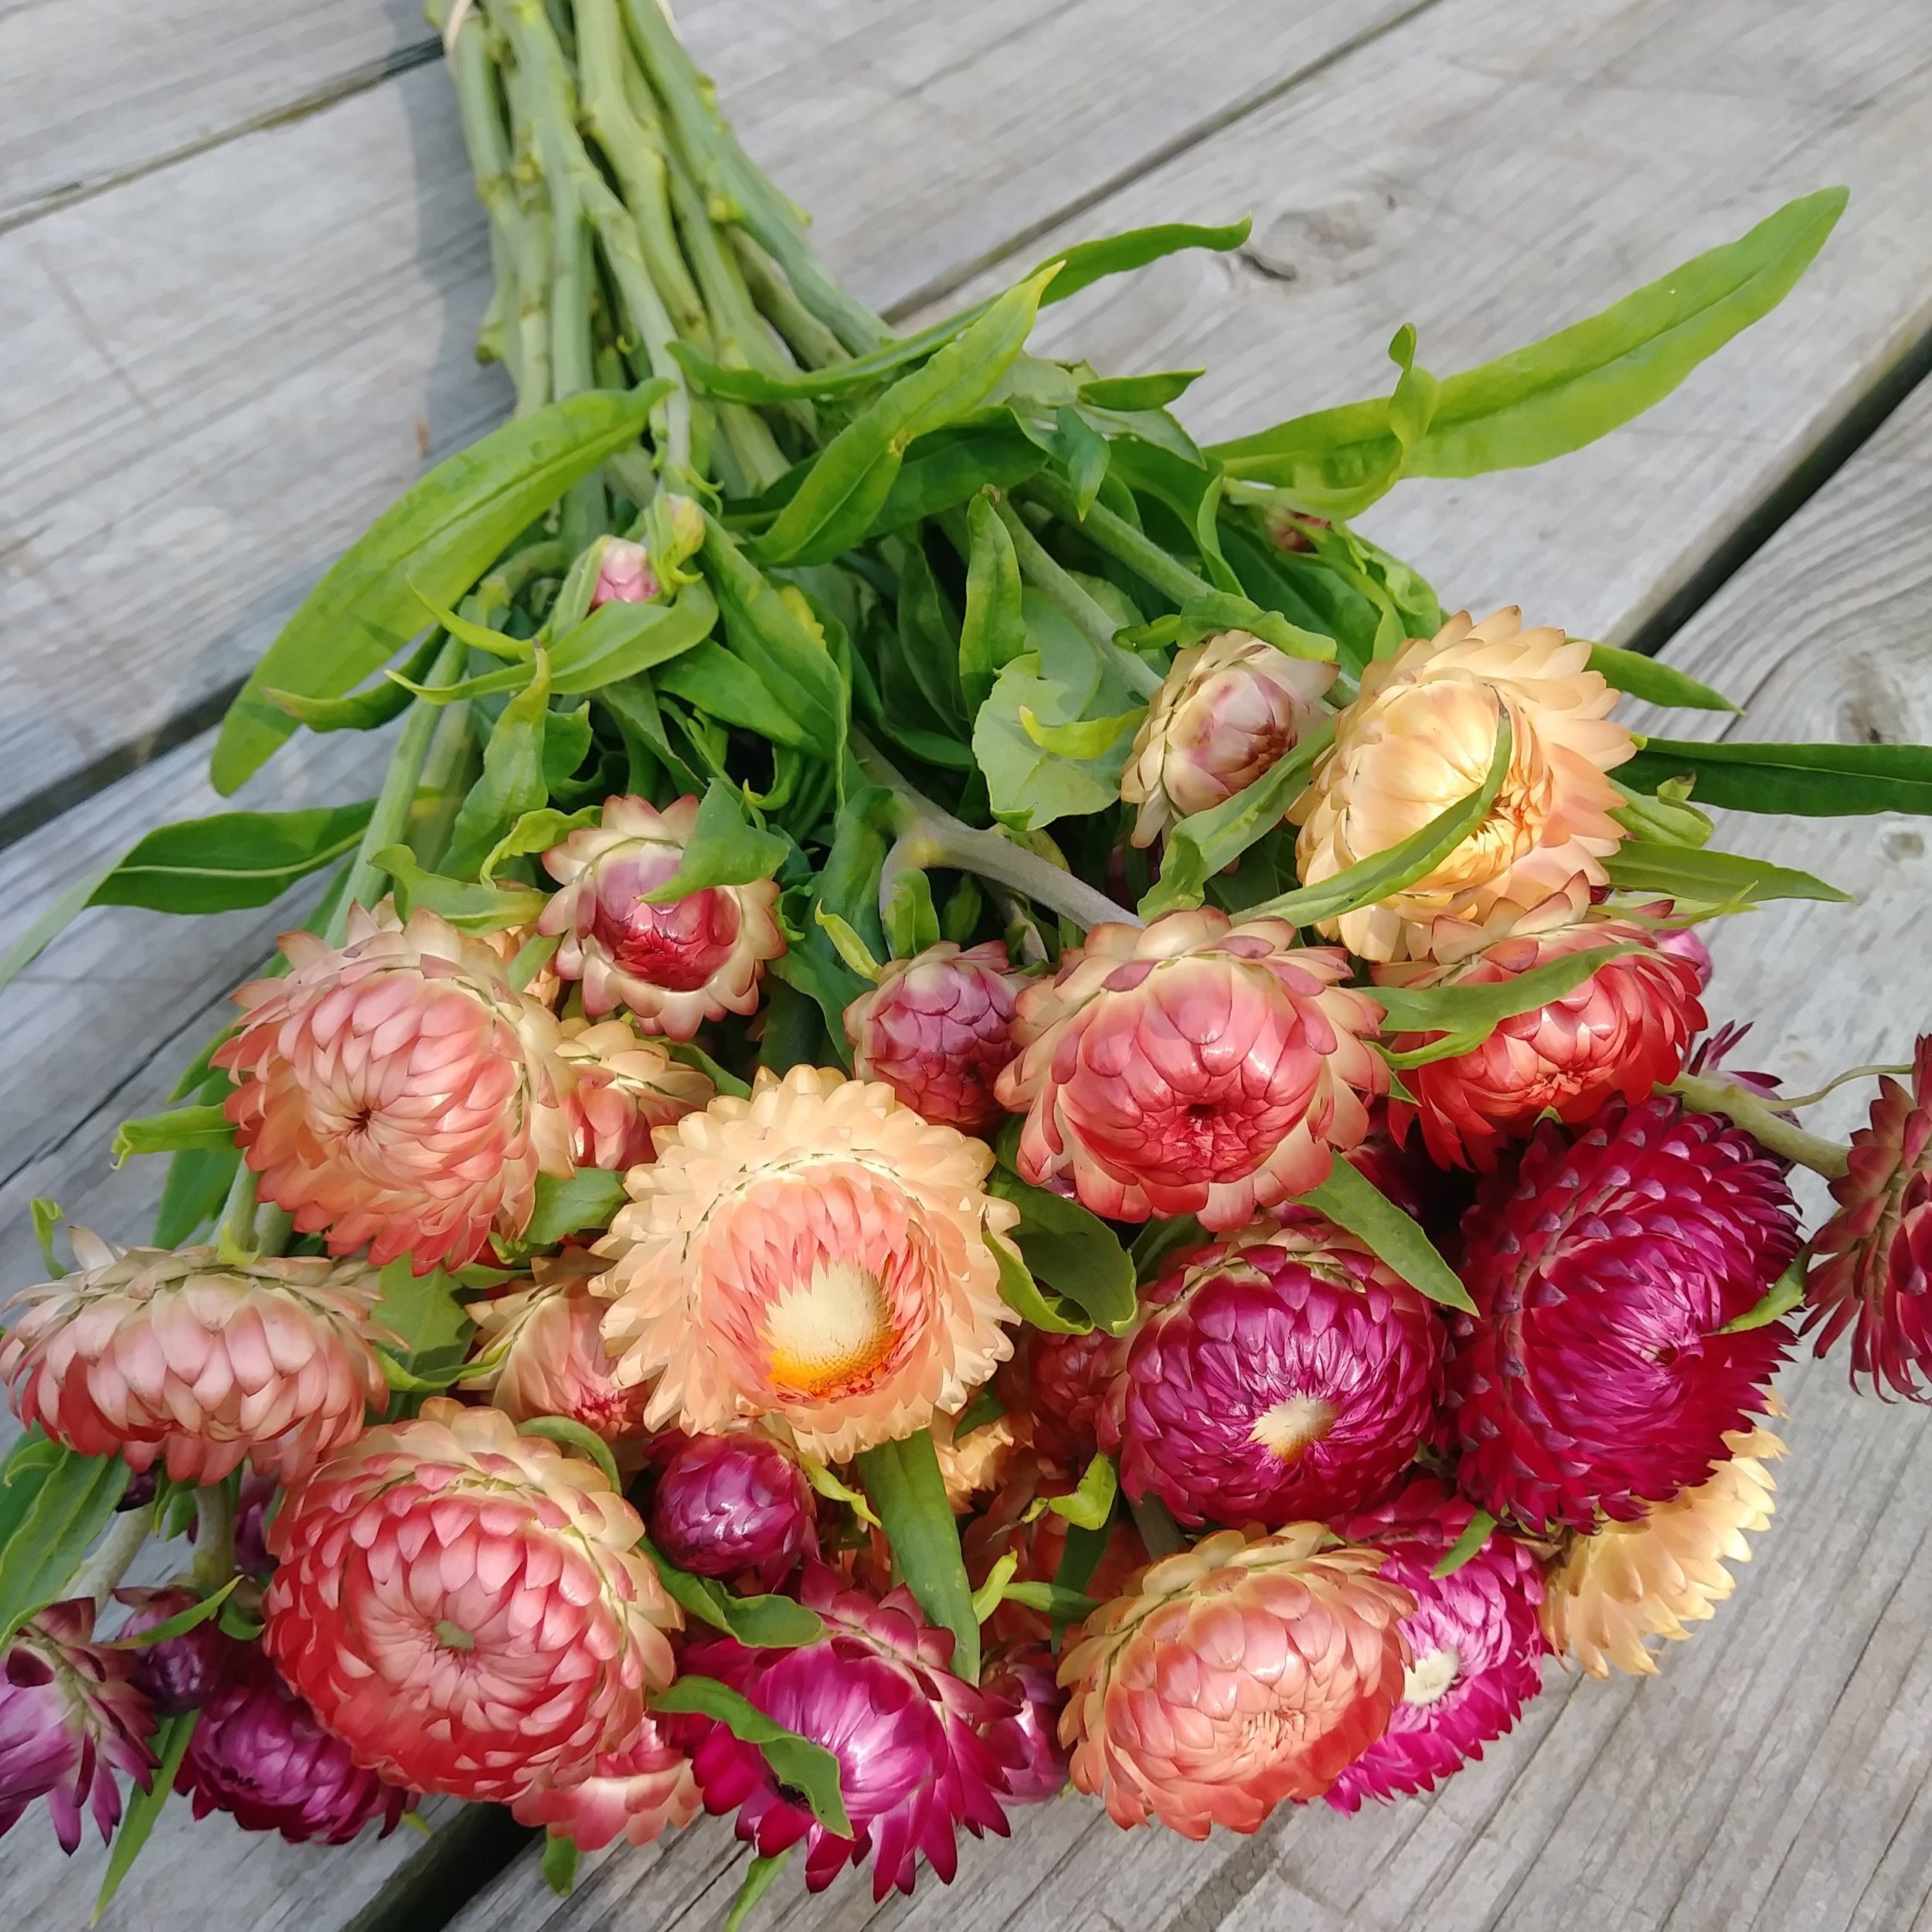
(397, 1092)
(637, 1794)
(734, 1506)
(1475, 1642)
(623, 1088)
(938, 1030)
(624, 575)
(70, 1719)
(676, 965)
(467, 1606)
(186, 1359)
(1191, 1066)
(1595, 1375)
(258, 1752)
(914, 1763)
(1275, 1381)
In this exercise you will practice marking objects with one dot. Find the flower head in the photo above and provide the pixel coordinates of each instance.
(1227, 709)
(1475, 1646)
(625, 1088)
(540, 1351)
(258, 1752)
(466, 1606)
(1422, 735)
(1056, 1386)
(817, 1253)
(177, 1674)
(1233, 1677)
(734, 1505)
(397, 1092)
(1873, 1270)
(675, 965)
(624, 575)
(185, 1358)
(915, 1760)
(70, 1719)
(1022, 1676)
(637, 1794)
(938, 1030)
(1191, 1066)
(1287, 1379)
(1612, 1590)
(1624, 1030)
(1597, 1375)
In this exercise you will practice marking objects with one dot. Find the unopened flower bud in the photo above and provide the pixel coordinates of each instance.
(624, 575)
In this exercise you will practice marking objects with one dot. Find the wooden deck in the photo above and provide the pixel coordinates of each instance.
(240, 269)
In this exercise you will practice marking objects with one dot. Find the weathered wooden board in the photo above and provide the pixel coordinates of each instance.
(1773, 1775)
(212, 379)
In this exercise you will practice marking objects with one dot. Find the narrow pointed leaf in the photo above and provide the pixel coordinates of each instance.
(903, 1480)
(1697, 874)
(1807, 781)
(809, 1769)
(1350, 1200)
(1654, 682)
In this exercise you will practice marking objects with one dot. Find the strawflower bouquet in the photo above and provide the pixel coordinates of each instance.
(980, 1109)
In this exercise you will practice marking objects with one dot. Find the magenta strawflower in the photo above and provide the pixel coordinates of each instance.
(1275, 1381)
(1023, 1675)
(1594, 1376)
(1475, 1642)
(177, 1674)
(259, 1753)
(938, 1030)
(732, 1506)
(875, 1691)
(70, 1719)
(1056, 1385)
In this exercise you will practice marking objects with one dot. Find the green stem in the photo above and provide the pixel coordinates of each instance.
(104, 1566)
(214, 1535)
(1121, 540)
(1057, 586)
(1159, 1531)
(812, 343)
(1758, 1117)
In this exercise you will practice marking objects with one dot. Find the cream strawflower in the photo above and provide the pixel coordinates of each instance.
(626, 1087)
(1422, 735)
(817, 1253)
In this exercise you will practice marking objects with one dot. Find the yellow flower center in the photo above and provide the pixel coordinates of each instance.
(828, 1335)
(1431, 1676)
(1292, 1424)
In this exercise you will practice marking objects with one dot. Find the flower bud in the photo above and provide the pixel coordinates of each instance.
(735, 1506)
(178, 1673)
(624, 575)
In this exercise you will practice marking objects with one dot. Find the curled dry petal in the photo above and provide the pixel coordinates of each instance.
(1192, 1066)
(467, 1606)
(1422, 736)
(673, 966)
(397, 1092)
(1233, 1677)
(1229, 708)
(817, 1253)
(185, 1359)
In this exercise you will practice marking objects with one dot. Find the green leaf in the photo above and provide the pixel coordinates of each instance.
(1374, 878)
(903, 1481)
(984, 1408)
(560, 1864)
(764, 631)
(362, 710)
(1665, 817)
(1223, 610)
(954, 466)
(1021, 1293)
(1092, 1502)
(1088, 262)
(534, 832)
(1572, 387)
(846, 487)
(469, 907)
(1687, 872)
(809, 1769)
(1654, 682)
(851, 949)
(1071, 1248)
(1350, 1200)
(827, 1483)
(1808, 780)
(51, 923)
(512, 781)
(233, 859)
(1140, 391)
(617, 639)
(431, 1326)
(759, 1623)
(442, 534)
(993, 632)
(587, 1199)
(1055, 1600)
(53, 1504)
(169, 1744)
(181, 1622)
(1091, 738)
(1467, 1015)
(760, 1875)
(689, 1054)
(727, 689)
(47, 1216)
(723, 849)
(1784, 1294)
(911, 922)
(1207, 843)
(184, 1126)
(573, 1434)
(1466, 1545)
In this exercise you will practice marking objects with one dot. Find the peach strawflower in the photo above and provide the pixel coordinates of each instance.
(467, 1606)
(1192, 1066)
(625, 1087)
(637, 1794)
(675, 966)
(1233, 1677)
(1610, 1592)
(1227, 709)
(396, 1091)
(1422, 735)
(817, 1253)
(198, 1363)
